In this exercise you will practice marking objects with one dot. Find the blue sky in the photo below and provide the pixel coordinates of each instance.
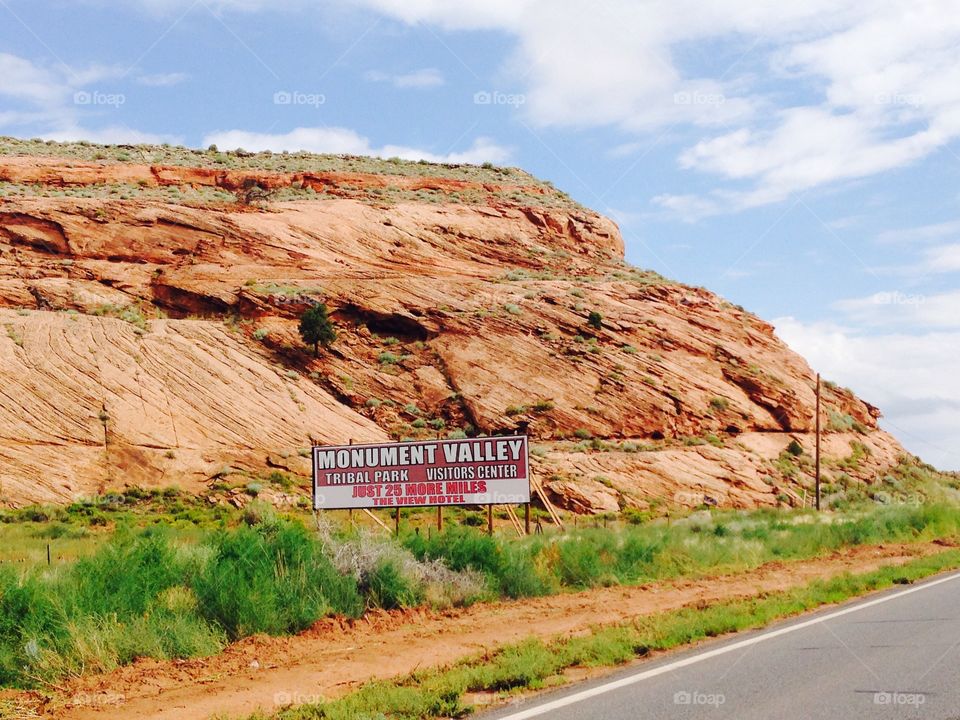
(801, 161)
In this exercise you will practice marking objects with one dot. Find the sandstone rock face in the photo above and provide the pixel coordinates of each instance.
(153, 341)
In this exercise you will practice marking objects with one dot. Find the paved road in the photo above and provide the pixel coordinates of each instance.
(895, 655)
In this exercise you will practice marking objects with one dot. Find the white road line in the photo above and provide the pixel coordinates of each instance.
(646, 674)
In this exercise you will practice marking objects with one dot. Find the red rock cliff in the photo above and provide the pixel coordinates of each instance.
(149, 337)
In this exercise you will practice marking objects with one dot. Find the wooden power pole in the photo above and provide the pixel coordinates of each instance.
(818, 443)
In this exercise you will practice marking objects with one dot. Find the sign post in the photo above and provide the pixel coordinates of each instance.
(817, 461)
(474, 471)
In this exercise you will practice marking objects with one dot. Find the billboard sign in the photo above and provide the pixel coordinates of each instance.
(475, 471)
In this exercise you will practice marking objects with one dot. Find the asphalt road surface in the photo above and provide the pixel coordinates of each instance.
(893, 655)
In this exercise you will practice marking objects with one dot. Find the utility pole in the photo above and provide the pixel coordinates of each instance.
(818, 444)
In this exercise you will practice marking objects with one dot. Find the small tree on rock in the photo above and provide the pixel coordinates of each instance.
(316, 328)
(595, 320)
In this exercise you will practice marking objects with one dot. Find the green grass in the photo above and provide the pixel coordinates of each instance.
(532, 664)
(147, 595)
(180, 579)
(80, 528)
(719, 542)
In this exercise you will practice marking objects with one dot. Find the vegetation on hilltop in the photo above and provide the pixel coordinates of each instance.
(238, 159)
(523, 188)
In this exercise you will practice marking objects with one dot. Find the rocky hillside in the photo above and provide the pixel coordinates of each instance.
(149, 299)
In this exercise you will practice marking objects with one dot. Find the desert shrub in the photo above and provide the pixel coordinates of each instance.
(390, 576)
(719, 403)
(126, 574)
(31, 624)
(510, 567)
(388, 587)
(271, 578)
(582, 561)
(125, 601)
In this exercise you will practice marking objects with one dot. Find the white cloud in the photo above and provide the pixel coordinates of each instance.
(165, 7)
(336, 140)
(801, 95)
(162, 79)
(49, 106)
(24, 81)
(689, 207)
(912, 377)
(942, 259)
(865, 87)
(904, 309)
(935, 231)
(423, 78)
(81, 77)
(45, 96)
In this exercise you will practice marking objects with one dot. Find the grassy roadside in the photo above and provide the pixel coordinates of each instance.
(533, 664)
(156, 593)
